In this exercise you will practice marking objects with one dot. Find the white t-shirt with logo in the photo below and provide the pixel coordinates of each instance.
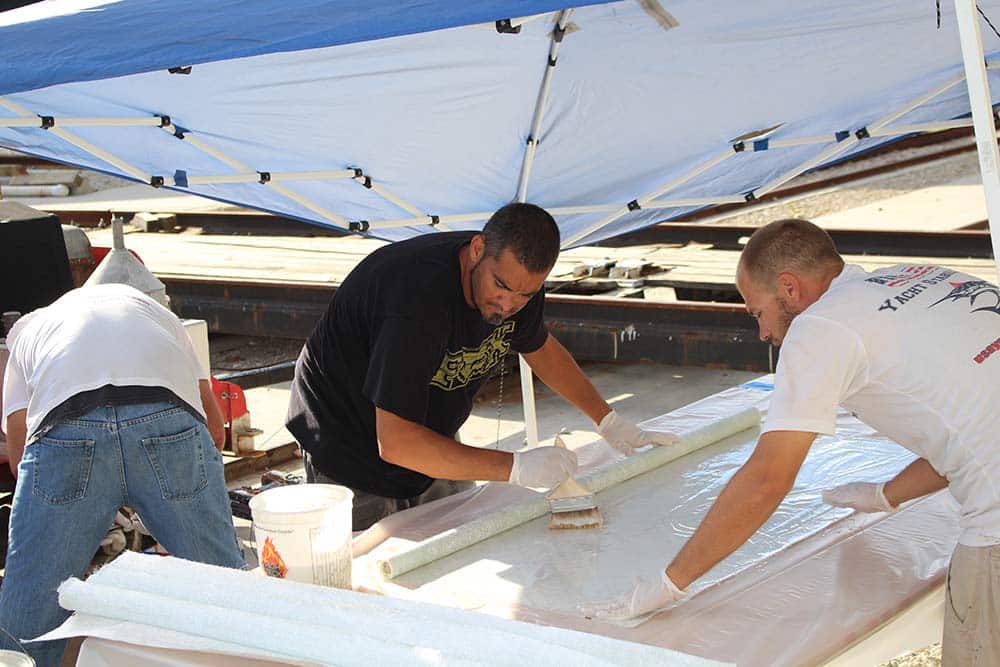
(92, 337)
(913, 351)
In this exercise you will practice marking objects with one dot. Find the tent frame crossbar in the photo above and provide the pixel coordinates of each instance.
(638, 203)
(48, 122)
(81, 143)
(854, 138)
(842, 142)
(239, 167)
(244, 173)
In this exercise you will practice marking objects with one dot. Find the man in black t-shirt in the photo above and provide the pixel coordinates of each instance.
(389, 373)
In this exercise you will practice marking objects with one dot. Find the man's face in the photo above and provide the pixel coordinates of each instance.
(773, 311)
(501, 286)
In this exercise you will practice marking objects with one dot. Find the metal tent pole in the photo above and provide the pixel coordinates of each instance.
(982, 114)
(527, 379)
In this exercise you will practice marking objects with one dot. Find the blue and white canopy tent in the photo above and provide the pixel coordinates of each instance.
(401, 117)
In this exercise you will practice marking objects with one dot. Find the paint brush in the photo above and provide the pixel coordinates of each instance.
(572, 505)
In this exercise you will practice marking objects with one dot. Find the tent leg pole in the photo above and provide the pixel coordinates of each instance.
(982, 115)
(528, 401)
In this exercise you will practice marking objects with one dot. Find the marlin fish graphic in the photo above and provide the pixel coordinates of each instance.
(972, 290)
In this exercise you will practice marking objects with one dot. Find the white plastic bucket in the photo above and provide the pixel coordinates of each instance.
(303, 533)
(15, 659)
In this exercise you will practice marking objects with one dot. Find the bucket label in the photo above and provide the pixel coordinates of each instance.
(271, 560)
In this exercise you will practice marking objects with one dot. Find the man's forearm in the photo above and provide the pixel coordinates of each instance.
(556, 367)
(743, 506)
(17, 435)
(213, 414)
(917, 479)
(745, 503)
(416, 447)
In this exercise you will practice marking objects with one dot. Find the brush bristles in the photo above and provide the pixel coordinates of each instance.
(590, 518)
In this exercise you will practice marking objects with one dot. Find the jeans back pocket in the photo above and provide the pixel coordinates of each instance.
(178, 462)
(60, 468)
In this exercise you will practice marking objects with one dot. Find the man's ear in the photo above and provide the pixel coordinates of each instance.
(790, 286)
(477, 246)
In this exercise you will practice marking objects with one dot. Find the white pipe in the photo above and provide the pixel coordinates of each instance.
(527, 378)
(540, 104)
(35, 121)
(276, 187)
(982, 115)
(58, 190)
(254, 177)
(80, 143)
(426, 219)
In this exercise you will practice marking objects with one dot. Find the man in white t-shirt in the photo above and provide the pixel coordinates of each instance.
(913, 351)
(106, 404)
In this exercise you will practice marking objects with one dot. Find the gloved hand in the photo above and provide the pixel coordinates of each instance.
(542, 467)
(860, 496)
(626, 437)
(643, 597)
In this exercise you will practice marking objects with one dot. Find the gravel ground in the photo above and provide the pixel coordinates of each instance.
(851, 195)
(929, 656)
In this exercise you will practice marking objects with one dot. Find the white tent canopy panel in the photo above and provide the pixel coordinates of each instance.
(414, 117)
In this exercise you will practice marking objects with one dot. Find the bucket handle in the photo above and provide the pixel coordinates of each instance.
(19, 644)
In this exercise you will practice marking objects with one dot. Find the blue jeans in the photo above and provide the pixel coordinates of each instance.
(156, 458)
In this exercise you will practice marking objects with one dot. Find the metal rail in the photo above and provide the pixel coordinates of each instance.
(607, 329)
(961, 243)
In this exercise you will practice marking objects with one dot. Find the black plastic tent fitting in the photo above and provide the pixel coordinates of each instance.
(367, 182)
(359, 226)
(558, 34)
(47, 122)
(156, 181)
(739, 147)
(180, 70)
(435, 220)
(750, 196)
(504, 27)
(358, 173)
(633, 205)
(165, 121)
(265, 177)
(862, 133)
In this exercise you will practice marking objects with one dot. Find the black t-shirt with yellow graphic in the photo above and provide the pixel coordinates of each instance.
(398, 334)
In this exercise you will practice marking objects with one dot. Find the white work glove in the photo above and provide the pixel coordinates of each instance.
(626, 437)
(542, 467)
(643, 597)
(860, 496)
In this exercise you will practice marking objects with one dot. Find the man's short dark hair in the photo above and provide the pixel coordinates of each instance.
(528, 231)
(792, 245)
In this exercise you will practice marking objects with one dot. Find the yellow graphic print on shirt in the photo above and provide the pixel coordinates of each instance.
(459, 368)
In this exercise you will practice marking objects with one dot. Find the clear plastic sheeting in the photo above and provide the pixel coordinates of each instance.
(812, 581)
(402, 555)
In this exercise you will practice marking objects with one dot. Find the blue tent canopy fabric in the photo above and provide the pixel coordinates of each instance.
(402, 118)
